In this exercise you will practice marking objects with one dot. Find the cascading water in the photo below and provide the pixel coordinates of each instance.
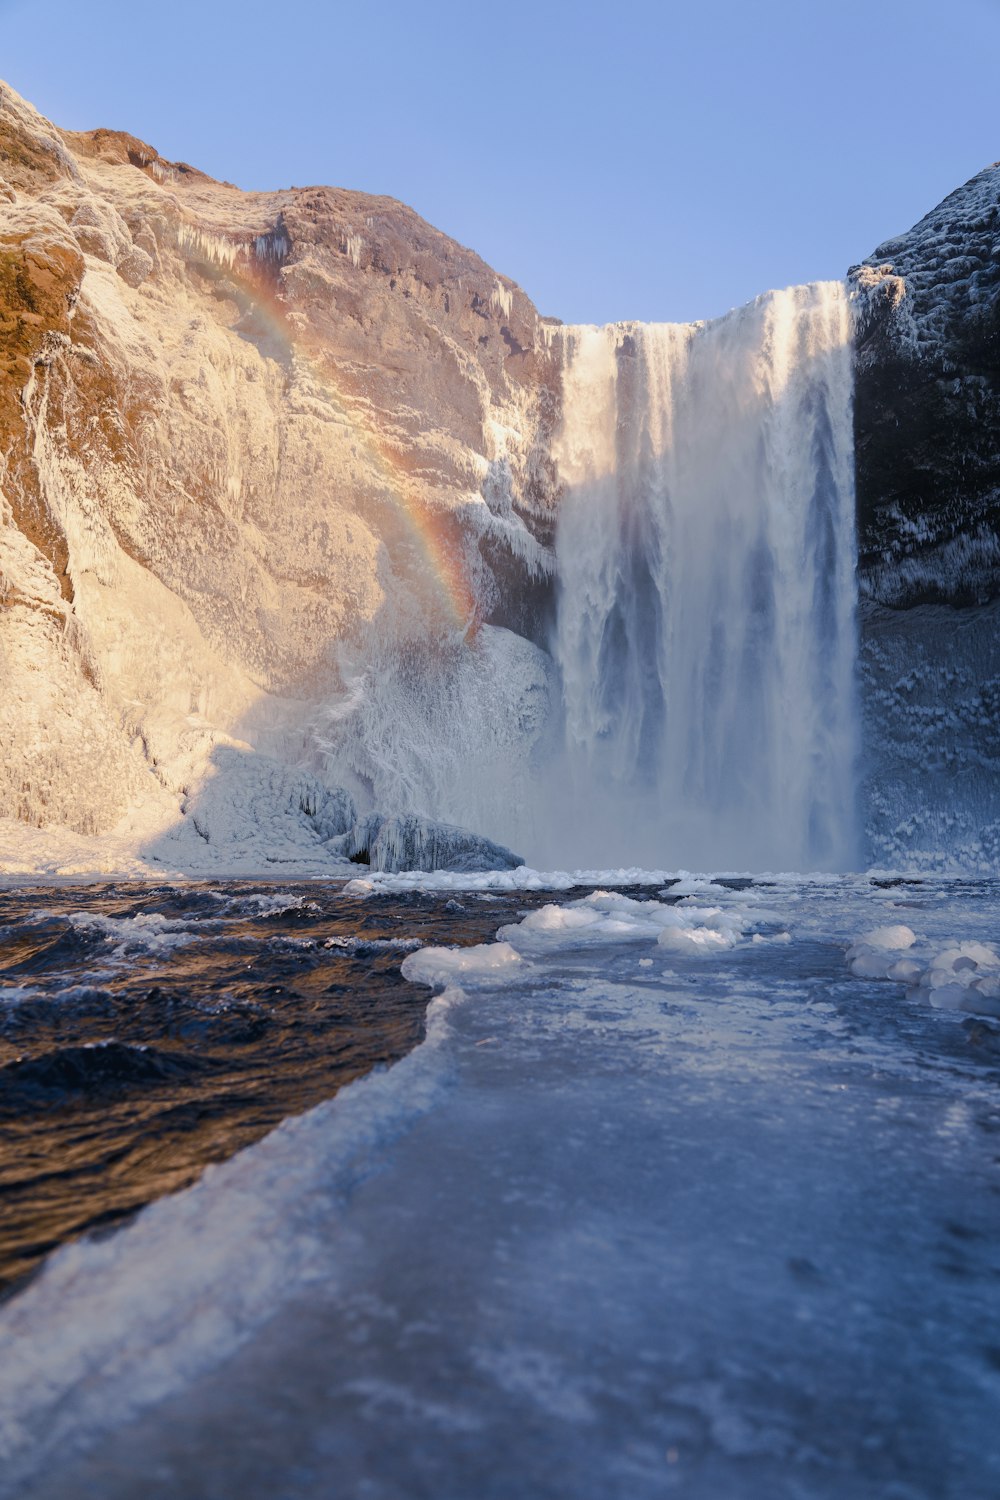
(705, 635)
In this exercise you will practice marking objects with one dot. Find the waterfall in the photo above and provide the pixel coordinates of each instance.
(705, 635)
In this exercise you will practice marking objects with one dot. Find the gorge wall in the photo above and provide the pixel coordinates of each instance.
(927, 438)
(285, 501)
(275, 487)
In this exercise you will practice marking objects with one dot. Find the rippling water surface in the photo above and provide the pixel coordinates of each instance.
(146, 1031)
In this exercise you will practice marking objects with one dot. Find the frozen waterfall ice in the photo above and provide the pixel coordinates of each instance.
(705, 634)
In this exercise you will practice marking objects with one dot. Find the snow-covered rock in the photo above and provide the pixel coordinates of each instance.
(927, 405)
(927, 419)
(254, 447)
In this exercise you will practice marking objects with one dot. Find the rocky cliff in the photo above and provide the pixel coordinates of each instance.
(927, 403)
(258, 451)
(927, 439)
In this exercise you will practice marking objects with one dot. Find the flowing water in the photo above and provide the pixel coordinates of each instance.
(148, 1031)
(705, 638)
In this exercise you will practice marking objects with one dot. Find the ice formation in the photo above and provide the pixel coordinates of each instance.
(421, 844)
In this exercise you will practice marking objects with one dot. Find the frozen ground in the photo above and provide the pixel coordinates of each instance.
(678, 1197)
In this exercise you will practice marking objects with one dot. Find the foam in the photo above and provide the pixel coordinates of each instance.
(148, 932)
(13, 994)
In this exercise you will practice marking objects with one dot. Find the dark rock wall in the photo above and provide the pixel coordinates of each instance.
(927, 434)
(927, 405)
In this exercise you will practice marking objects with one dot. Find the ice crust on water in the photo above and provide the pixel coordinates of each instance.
(196, 1307)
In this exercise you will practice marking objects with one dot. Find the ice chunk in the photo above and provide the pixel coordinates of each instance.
(872, 956)
(964, 976)
(891, 938)
(440, 966)
(604, 917)
(698, 940)
(905, 970)
(609, 917)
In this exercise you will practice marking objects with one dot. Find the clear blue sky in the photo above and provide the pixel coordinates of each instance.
(625, 160)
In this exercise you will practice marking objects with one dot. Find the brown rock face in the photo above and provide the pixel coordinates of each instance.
(241, 435)
(40, 280)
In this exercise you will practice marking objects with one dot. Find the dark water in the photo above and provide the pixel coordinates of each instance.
(146, 1031)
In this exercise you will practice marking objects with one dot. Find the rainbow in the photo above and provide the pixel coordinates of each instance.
(432, 531)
